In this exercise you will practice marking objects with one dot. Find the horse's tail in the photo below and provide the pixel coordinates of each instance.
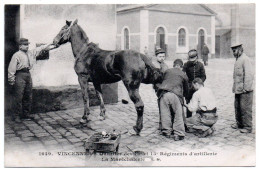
(152, 74)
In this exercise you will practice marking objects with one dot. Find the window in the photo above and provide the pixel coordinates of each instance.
(182, 37)
(160, 37)
(126, 39)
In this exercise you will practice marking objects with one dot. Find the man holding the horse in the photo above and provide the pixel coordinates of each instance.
(170, 93)
(19, 76)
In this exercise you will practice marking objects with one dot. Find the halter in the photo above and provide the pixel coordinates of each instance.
(67, 31)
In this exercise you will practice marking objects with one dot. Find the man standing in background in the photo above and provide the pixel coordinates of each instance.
(19, 76)
(205, 54)
(193, 69)
(243, 88)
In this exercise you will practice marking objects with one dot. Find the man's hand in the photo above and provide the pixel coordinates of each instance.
(244, 91)
(50, 47)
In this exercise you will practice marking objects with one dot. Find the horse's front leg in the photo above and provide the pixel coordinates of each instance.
(83, 81)
(102, 105)
(133, 91)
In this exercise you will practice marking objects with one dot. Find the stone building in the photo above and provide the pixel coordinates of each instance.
(235, 23)
(177, 28)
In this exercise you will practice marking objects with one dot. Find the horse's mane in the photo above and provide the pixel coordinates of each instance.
(83, 34)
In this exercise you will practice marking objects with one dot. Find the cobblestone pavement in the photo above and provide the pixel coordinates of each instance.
(60, 131)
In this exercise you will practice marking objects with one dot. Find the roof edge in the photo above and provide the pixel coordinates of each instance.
(208, 9)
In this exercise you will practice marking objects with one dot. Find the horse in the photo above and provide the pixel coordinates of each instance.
(98, 66)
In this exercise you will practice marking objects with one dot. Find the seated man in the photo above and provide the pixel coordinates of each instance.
(203, 103)
(170, 98)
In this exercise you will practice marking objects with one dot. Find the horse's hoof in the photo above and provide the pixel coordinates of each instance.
(83, 121)
(133, 132)
(101, 118)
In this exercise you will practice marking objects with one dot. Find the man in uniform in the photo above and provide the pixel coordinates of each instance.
(170, 94)
(19, 76)
(243, 88)
(193, 69)
(203, 106)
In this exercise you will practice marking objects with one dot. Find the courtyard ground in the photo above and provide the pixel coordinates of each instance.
(42, 141)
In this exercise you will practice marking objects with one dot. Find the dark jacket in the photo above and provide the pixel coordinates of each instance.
(194, 70)
(205, 50)
(174, 80)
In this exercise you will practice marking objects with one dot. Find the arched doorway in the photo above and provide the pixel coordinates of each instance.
(201, 41)
(126, 39)
(160, 38)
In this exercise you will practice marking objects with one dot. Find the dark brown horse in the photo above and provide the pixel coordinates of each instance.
(93, 64)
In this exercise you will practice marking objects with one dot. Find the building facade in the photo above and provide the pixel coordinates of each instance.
(175, 28)
(235, 23)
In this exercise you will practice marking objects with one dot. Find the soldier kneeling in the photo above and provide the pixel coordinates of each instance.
(203, 103)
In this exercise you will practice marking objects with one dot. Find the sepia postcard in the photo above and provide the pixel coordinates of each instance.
(129, 85)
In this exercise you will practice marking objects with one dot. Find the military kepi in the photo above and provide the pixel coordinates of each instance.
(235, 45)
(159, 51)
(24, 41)
(192, 53)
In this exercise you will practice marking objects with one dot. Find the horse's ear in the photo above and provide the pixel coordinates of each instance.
(68, 22)
(75, 22)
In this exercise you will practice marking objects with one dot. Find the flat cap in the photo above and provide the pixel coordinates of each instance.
(24, 41)
(235, 45)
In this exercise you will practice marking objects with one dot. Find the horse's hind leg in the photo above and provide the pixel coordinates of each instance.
(133, 90)
(102, 105)
(83, 81)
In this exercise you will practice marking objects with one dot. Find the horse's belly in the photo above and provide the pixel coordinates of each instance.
(110, 80)
(105, 78)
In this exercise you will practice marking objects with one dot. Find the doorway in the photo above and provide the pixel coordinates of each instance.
(201, 41)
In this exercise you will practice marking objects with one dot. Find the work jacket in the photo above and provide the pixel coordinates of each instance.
(243, 75)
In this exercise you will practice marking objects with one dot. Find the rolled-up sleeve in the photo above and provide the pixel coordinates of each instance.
(12, 69)
(248, 75)
(194, 103)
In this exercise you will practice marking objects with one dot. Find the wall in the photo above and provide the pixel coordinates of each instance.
(225, 43)
(131, 20)
(173, 21)
(247, 38)
(41, 23)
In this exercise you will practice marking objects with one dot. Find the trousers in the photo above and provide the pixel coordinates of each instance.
(191, 92)
(171, 115)
(201, 122)
(23, 93)
(243, 109)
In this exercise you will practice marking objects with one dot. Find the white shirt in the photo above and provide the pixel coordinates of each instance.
(203, 99)
(22, 60)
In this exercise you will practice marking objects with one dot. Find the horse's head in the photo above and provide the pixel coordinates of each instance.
(65, 33)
